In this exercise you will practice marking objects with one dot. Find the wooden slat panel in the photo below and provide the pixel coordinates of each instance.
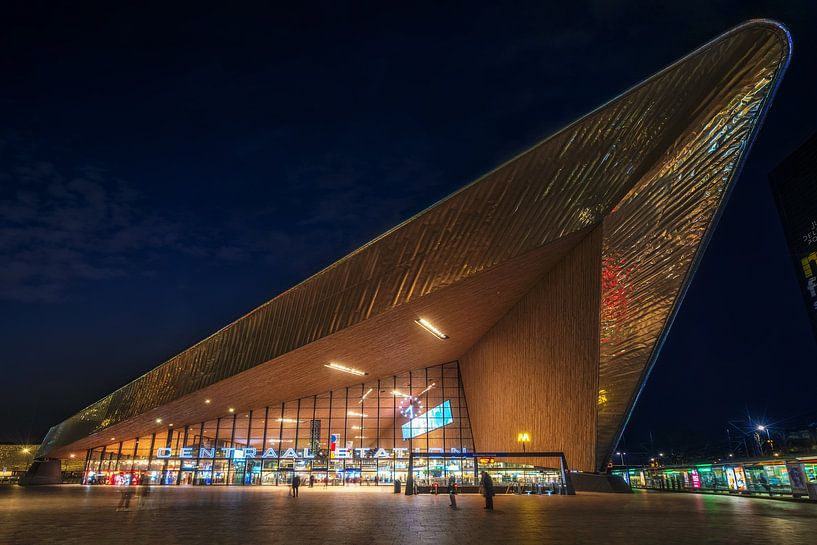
(536, 370)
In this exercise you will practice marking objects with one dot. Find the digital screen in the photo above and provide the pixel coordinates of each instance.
(433, 419)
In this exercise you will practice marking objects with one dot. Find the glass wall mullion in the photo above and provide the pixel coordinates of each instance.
(198, 453)
(280, 443)
(345, 429)
(133, 459)
(150, 456)
(231, 459)
(329, 438)
(102, 457)
(264, 443)
(249, 442)
(118, 456)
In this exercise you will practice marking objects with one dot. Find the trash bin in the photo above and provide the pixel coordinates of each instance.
(396, 486)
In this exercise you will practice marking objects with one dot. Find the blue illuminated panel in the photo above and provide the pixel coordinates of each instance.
(434, 418)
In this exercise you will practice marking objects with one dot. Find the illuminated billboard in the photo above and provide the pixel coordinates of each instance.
(434, 418)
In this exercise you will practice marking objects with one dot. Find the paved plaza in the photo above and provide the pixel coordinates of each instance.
(361, 515)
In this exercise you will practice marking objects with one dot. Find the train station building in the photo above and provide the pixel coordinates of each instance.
(530, 304)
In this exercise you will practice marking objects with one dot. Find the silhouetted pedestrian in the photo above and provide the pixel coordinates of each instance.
(311, 481)
(488, 490)
(452, 492)
(296, 484)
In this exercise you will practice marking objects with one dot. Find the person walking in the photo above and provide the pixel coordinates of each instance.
(311, 481)
(124, 500)
(488, 489)
(452, 492)
(296, 483)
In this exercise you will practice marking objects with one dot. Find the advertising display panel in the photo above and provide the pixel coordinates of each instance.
(730, 478)
(434, 418)
(695, 478)
(740, 478)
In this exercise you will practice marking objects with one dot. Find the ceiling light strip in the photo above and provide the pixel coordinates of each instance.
(425, 324)
(350, 370)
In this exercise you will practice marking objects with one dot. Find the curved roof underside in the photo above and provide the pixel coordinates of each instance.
(652, 167)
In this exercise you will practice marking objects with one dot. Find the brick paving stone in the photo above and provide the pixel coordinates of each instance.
(339, 516)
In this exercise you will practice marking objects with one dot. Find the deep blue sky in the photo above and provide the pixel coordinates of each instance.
(163, 172)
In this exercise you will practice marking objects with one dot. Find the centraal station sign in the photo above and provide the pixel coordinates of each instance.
(291, 453)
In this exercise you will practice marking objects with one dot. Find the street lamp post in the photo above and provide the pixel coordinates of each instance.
(622, 456)
(763, 428)
(523, 438)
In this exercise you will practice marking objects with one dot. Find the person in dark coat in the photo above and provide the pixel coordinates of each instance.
(296, 484)
(452, 492)
(488, 489)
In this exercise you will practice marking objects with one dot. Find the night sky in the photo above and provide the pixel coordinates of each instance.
(164, 172)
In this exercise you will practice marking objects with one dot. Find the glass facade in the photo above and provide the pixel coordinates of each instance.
(361, 434)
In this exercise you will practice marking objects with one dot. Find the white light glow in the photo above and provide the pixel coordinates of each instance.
(289, 420)
(425, 324)
(399, 393)
(430, 386)
(353, 413)
(365, 395)
(339, 367)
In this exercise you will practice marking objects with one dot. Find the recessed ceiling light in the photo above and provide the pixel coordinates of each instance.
(289, 420)
(231, 410)
(170, 425)
(353, 413)
(425, 324)
(158, 420)
(207, 401)
(72, 455)
(339, 367)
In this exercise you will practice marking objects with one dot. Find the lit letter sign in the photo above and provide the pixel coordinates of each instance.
(302, 454)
